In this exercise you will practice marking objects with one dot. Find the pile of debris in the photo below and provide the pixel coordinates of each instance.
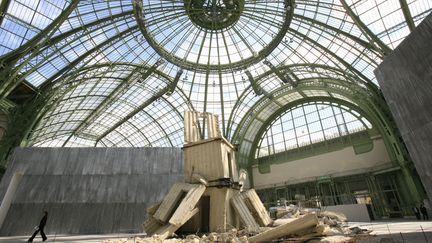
(330, 226)
(295, 225)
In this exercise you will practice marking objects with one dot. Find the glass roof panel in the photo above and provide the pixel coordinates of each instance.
(24, 19)
(309, 123)
(211, 56)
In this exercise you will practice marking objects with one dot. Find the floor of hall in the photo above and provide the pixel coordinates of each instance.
(392, 230)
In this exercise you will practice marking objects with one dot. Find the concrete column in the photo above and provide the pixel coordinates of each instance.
(7, 199)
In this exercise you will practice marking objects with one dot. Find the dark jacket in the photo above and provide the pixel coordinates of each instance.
(43, 221)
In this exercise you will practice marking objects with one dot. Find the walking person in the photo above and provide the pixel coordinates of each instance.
(416, 212)
(424, 213)
(40, 228)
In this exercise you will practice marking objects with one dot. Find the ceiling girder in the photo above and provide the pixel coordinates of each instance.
(241, 99)
(85, 55)
(9, 74)
(129, 80)
(327, 27)
(59, 38)
(407, 14)
(255, 86)
(161, 128)
(172, 86)
(133, 113)
(285, 78)
(365, 30)
(338, 58)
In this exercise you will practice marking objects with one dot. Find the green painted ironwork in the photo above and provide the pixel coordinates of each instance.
(130, 80)
(366, 31)
(214, 15)
(308, 49)
(139, 11)
(10, 77)
(407, 14)
(384, 189)
(3, 9)
(21, 119)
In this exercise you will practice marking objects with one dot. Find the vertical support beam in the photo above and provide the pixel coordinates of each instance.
(4, 5)
(407, 14)
(379, 202)
(412, 188)
(8, 197)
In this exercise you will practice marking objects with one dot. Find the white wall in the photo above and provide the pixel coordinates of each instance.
(337, 163)
(353, 212)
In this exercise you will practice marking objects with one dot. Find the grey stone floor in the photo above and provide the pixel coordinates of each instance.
(69, 238)
(399, 231)
(385, 231)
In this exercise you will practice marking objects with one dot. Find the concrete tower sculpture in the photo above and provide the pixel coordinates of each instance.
(209, 199)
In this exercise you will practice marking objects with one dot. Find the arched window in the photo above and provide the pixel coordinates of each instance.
(310, 123)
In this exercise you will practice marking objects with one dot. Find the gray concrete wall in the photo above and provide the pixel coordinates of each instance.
(405, 78)
(88, 190)
(353, 212)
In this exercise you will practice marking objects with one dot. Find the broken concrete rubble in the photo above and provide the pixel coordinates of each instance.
(300, 224)
(306, 226)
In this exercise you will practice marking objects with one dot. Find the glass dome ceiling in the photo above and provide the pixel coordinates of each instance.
(122, 72)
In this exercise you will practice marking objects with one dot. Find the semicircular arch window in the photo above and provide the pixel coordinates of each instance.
(310, 123)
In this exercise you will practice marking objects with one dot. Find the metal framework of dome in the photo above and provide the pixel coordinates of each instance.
(122, 72)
